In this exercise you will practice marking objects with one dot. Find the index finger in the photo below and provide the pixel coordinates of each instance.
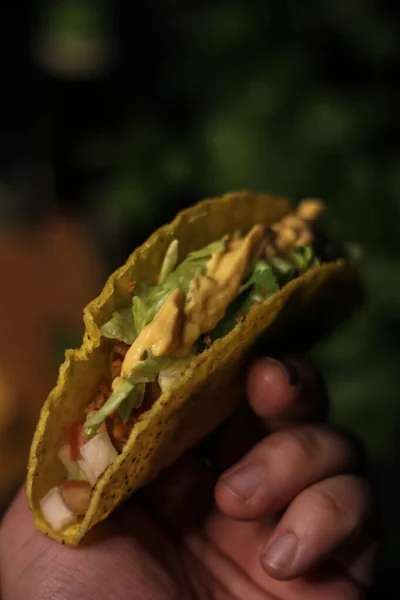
(280, 394)
(286, 392)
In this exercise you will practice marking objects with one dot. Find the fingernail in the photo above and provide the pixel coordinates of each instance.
(288, 368)
(280, 554)
(243, 482)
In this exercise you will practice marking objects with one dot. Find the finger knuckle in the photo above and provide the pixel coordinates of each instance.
(300, 445)
(328, 506)
(324, 502)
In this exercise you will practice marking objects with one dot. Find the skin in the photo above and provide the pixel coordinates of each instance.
(279, 479)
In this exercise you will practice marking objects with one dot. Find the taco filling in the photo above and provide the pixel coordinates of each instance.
(194, 303)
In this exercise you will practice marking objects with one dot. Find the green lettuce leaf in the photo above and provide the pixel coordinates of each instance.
(128, 395)
(132, 401)
(261, 284)
(283, 268)
(173, 371)
(94, 420)
(79, 475)
(294, 264)
(267, 277)
(120, 327)
(147, 370)
(208, 251)
(126, 324)
(148, 299)
(304, 258)
(170, 261)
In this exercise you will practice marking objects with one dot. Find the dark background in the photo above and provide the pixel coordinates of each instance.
(185, 99)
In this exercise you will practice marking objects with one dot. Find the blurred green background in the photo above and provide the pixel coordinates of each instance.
(116, 115)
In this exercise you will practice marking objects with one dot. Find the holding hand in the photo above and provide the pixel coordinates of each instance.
(278, 516)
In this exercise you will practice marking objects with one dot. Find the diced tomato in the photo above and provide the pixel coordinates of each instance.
(130, 286)
(76, 439)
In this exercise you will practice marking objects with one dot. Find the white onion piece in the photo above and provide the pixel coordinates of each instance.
(166, 377)
(98, 454)
(85, 467)
(55, 511)
(71, 466)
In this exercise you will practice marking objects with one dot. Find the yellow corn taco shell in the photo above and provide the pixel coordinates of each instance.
(211, 387)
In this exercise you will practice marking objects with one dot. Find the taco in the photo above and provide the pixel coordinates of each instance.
(165, 344)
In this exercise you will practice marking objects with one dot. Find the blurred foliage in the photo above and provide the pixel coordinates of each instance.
(296, 98)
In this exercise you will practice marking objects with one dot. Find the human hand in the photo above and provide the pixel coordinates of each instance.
(277, 516)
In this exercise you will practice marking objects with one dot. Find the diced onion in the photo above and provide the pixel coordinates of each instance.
(90, 476)
(166, 377)
(98, 454)
(55, 511)
(71, 466)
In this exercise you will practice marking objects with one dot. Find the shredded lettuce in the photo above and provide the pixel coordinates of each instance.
(169, 262)
(147, 370)
(266, 278)
(148, 300)
(208, 251)
(174, 371)
(79, 475)
(129, 393)
(95, 419)
(300, 259)
(304, 258)
(126, 324)
(132, 401)
(260, 285)
(120, 327)
(261, 282)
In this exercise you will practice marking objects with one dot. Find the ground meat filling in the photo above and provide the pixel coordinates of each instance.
(118, 431)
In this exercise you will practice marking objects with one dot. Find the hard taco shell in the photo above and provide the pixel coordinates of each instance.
(212, 386)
